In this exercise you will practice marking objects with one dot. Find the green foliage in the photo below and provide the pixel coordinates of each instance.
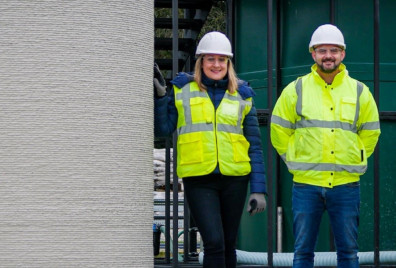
(216, 20)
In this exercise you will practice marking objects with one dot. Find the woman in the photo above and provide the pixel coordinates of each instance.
(218, 147)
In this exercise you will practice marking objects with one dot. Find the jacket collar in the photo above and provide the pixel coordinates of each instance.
(337, 79)
(210, 83)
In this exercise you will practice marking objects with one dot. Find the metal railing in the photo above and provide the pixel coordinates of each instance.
(264, 119)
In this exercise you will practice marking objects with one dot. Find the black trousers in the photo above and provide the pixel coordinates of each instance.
(216, 203)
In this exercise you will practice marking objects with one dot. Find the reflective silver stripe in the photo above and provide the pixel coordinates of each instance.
(325, 167)
(234, 98)
(359, 92)
(195, 128)
(282, 122)
(185, 96)
(229, 128)
(370, 126)
(238, 128)
(325, 124)
(299, 97)
(193, 94)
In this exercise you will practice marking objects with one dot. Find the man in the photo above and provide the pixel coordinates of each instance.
(324, 126)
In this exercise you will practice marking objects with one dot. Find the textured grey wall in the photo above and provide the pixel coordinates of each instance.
(76, 133)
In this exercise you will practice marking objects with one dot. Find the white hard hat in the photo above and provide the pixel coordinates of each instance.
(214, 43)
(327, 34)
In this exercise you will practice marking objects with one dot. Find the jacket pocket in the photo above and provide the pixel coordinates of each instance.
(291, 149)
(200, 113)
(299, 145)
(228, 112)
(190, 148)
(348, 109)
(240, 148)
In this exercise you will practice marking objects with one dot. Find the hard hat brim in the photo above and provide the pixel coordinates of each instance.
(312, 46)
(205, 52)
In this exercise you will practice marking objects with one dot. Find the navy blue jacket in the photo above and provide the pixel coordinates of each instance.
(166, 122)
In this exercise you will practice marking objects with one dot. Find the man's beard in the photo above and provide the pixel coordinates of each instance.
(328, 71)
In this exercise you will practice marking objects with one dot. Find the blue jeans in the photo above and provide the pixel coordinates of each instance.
(342, 204)
(216, 203)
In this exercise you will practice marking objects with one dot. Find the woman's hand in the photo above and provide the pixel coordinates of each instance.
(257, 203)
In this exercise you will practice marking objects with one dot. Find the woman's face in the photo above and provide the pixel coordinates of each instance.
(215, 66)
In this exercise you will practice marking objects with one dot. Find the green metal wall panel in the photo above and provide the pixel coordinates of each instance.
(250, 43)
(297, 22)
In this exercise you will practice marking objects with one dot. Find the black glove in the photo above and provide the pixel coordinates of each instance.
(159, 82)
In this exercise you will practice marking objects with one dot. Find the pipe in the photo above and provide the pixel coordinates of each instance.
(377, 148)
(179, 256)
(175, 69)
(321, 258)
(279, 229)
(269, 147)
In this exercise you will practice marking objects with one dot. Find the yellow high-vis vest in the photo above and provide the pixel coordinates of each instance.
(207, 137)
(325, 133)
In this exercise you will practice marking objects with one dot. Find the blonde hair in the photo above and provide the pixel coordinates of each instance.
(232, 77)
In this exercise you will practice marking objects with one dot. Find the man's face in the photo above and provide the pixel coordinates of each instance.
(328, 57)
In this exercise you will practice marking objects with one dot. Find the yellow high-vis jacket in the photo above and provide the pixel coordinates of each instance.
(207, 136)
(325, 133)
